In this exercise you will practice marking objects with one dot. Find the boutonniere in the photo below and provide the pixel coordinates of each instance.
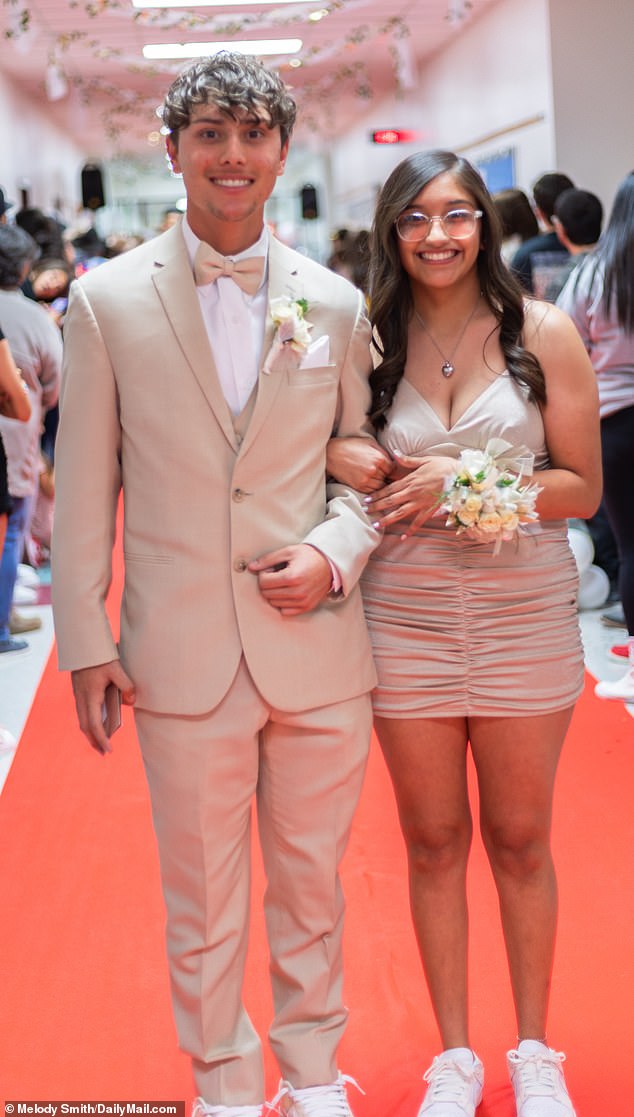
(292, 335)
(289, 315)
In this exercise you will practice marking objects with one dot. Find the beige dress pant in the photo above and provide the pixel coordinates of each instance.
(305, 770)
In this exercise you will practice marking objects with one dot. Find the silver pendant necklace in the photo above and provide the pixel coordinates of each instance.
(448, 368)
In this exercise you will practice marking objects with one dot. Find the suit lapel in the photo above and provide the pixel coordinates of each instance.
(174, 283)
(284, 280)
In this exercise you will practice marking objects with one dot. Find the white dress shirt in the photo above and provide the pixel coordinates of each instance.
(234, 322)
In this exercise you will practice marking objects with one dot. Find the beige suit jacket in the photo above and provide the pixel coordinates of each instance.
(142, 409)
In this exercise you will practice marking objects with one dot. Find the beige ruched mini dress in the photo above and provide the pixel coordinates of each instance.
(456, 629)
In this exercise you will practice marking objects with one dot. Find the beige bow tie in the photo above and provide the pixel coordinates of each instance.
(209, 264)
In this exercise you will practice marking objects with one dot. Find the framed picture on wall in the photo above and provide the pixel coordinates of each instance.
(498, 170)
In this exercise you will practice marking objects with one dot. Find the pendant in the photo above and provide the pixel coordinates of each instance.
(447, 369)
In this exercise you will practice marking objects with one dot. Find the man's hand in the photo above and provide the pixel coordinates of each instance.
(294, 579)
(89, 688)
(358, 462)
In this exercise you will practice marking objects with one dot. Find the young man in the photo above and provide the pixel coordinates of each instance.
(538, 258)
(243, 645)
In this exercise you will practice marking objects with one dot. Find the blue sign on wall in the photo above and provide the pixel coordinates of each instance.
(498, 171)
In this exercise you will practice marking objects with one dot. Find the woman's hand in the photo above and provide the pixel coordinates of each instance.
(415, 496)
(358, 462)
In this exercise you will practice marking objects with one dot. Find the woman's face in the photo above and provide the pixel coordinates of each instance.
(439, 260)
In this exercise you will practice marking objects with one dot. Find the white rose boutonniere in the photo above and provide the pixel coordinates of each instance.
(485, 500)
(292, 335)
(289, 315)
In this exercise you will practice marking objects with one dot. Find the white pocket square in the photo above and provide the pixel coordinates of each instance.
(318, 353)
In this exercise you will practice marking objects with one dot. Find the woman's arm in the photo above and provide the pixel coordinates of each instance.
(572, 485)
(14, 399)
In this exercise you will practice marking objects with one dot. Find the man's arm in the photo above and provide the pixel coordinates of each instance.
(346, 536)
(87, 486)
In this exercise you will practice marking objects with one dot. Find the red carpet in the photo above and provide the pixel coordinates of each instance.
(84, 1001)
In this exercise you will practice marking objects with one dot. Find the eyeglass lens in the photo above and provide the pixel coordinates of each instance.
(457, 223)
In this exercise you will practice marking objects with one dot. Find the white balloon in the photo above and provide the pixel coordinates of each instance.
(582, 547)
(594, 588)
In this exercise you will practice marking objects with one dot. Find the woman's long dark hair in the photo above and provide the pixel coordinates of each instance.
(391, 300)
(614, 254)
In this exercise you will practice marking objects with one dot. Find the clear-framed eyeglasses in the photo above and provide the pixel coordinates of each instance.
(458, 224)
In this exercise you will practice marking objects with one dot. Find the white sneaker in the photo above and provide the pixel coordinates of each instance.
(538, 1081)
(314, 1101)
(24, 595)
(455, 1080)
(7, 741)
(27, 576)
(203, 1109)
(621, 689)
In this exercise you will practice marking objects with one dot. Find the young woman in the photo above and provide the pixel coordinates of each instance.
(476, 642)
(600, 299)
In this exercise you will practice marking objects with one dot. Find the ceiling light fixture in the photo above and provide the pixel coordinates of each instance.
(255, 47)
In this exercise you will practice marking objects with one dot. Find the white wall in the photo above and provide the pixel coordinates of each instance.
(490, 90)
(37, 154)
(593, 66)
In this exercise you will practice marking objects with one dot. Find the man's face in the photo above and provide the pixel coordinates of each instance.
(229, 168)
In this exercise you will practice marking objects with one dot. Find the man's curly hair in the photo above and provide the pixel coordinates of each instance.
(235, 83)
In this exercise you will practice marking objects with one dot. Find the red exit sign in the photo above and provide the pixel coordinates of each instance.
(394, 136)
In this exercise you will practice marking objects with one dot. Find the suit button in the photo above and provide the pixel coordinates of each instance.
(240, 565)
(238, 494)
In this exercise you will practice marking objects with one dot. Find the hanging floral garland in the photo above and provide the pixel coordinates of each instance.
(317, 99)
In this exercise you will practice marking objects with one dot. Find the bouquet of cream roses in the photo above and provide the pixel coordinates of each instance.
(485, 500)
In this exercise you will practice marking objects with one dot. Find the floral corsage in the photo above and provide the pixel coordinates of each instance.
(485, 499)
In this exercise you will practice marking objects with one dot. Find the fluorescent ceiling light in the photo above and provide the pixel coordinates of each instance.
(203, 50)
(210, 3)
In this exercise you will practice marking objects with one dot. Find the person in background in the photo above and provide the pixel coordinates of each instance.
(170, 216)
(47, 232)
(14, 397)
(204, 374)
(518, 220)
(36, 345)
(16, 405)
(577, 220)
(536, 261)
(352, 260)
(599, 297)
(5, 206)
(41, 527)
(470, 372)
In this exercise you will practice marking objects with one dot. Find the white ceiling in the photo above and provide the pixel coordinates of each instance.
(102, 90)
